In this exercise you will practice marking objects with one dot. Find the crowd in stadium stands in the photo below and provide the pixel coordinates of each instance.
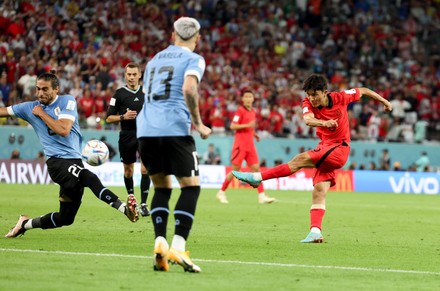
(267, 46)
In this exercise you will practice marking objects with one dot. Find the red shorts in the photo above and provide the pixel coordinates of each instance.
(248, 154)
(327, 159)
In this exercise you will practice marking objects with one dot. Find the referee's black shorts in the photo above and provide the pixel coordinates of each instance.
(171, 155)
(128, 146)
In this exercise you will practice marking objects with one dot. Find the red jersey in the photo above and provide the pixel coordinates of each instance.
(337, 110)
(244, 137)
(87, 105)
(100, 104)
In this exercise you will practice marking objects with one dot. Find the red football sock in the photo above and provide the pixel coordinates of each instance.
(276, 172)
(316, 215)
(225, 184)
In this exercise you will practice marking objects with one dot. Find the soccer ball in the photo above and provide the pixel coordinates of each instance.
(95, 152)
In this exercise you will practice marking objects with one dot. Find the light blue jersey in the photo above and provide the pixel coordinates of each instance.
(165, 112)
(54, 145)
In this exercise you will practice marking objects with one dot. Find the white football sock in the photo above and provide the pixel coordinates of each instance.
(257, 176)
(315, 230)
(160, 239)
(28, 224)
(122, 207)
(178, 243)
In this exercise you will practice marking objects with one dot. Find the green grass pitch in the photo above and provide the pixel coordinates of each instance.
(373, 241)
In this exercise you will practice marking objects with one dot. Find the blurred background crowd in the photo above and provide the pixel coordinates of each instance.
(389, 46)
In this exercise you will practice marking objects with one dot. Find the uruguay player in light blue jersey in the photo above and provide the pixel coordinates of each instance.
(55, 120)
(171, 104)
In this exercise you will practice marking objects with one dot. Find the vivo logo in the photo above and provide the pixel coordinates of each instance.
(408, 184)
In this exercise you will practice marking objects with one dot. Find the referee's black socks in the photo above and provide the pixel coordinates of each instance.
(145, 187)
(129, 185)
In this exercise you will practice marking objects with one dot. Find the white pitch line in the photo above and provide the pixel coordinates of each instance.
(231, 262)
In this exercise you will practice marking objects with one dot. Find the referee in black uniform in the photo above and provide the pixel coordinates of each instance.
(124, 107)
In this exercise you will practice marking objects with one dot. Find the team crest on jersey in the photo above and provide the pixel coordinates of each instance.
(70, 105)
(57, 111)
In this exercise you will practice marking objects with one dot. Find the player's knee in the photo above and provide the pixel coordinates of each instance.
(300, 161)
(66, 220)
(320, 190)
(86, 177)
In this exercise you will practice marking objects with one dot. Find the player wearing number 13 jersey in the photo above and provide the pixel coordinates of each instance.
(165, 111)
(171, 80)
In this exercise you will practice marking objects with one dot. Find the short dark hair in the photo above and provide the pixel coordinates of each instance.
(133, 65)
(315, 82)
(247, 90)
(54, 82)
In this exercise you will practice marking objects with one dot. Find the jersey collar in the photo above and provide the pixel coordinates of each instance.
(131, 90)
(54, 100)
(330, 102)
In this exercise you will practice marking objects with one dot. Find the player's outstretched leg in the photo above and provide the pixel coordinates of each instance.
(18, 229)
(247, 177)
(131, 208)
(90, 180)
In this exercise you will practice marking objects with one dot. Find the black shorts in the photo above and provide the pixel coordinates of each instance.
(171, 155)
(128, 146)
(65, 173)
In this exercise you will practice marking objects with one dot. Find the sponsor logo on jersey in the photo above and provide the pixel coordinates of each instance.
(350, 91)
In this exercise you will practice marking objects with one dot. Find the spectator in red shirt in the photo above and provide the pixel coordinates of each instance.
(86, 103)
(277, 120)
(243, 124)
(327, 111)
(101, 106)
(265, 126)
(218, 117)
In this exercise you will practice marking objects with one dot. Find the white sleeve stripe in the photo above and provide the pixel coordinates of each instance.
(66, 116)
(10, 111)
(193, 73)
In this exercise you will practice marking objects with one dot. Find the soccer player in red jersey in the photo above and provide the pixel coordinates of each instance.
(243, 124)
(327, 111)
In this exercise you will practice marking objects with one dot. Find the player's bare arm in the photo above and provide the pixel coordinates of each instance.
(61, 127)
(373, 95)
(311, 121)
(257, 137)
(190, 91)
(4, 112)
